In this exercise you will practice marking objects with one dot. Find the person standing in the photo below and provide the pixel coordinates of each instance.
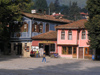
(37, 53)
(44, 57)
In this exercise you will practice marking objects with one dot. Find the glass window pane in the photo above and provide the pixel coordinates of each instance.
(41, 45)
(69, 50)
(69, 35)
(83, 34)
(52, 47)
(62, 34)
(86, 51)
(64, 51)
(74, 51)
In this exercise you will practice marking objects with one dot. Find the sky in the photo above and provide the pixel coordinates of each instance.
(81, 3)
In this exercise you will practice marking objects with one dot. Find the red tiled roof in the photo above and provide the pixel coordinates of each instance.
(45, 17)
(75, 25)
(82, 13)
(51, 35)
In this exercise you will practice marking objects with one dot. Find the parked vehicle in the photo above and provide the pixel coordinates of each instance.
(33, 53)
(54, 55)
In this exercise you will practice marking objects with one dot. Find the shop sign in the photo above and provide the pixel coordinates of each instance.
(35, 48)
(46, 42)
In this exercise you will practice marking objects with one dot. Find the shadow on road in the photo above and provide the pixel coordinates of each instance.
(74, 68)
(9, 57)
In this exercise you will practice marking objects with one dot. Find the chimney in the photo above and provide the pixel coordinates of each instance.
(33, 11)
(44, 12)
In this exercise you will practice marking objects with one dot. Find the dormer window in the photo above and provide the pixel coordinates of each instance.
(69, 35)
(62, 34)
(83, 34)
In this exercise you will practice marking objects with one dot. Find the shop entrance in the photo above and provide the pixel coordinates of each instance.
(47, 50)
(19, 49)
(81, 52)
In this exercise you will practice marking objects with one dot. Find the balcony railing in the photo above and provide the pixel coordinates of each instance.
(20, 35)
(23, 34)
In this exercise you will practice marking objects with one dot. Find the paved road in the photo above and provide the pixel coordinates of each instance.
(54, 66)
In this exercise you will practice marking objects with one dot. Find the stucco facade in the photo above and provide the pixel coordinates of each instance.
(45, 42)
(32, 25)
(75, 47)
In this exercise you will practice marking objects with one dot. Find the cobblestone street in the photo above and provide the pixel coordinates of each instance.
(54, 66)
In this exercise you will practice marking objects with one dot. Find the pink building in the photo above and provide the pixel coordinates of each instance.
(46, 41)
(72, 40)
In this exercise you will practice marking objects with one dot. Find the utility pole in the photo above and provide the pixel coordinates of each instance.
(49, 11)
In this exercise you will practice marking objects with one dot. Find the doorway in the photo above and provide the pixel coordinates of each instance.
(47, 50)
(19, 49)
(81, 52)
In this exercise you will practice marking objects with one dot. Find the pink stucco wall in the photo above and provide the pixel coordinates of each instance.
(75, 41)
(81, 42)
(60, 53)
(66, 41)
(36, 43)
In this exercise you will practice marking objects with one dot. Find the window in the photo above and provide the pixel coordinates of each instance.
(62, 34)
(83, 34)
(52, 46)
(40, 45)
(40, 28)
(23, 28)
(34, 27)
(64, 50)
(88, 51)
(69, 50)
(74, 50)
(69, 35)
(47, 27)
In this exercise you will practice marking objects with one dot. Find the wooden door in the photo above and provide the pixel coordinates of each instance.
(81, 52)
(74, 52)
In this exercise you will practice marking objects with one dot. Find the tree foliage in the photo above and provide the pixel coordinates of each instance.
(74, 11)
(52, 7)
(41, 4)
(93, 24)
(57, 5)
(93, 6)
(10, 11)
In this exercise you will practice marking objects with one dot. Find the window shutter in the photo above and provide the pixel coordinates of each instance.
(37, 28)
(41, 28)
(27, 28)
(33, 27)
(47, 27)
(22, 28)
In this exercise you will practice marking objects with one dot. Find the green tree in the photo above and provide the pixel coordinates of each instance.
(41, 5)
(93, 6)
(74, 11)
(64, 9)
(93, 24)
(57, 6)
(10, 11)
(52, 7)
